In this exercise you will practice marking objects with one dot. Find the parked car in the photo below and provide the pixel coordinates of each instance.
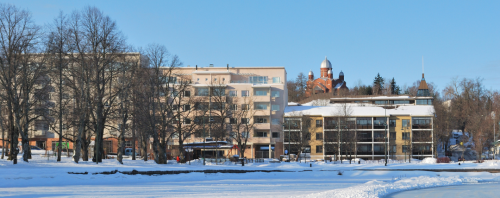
(128, 151)
(35, 148)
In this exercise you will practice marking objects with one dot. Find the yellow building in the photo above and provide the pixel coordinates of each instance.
(367, 127)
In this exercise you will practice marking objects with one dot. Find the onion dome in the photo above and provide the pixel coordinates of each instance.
(311, 73)
(326, 63)
(329, 72)
(341, 73)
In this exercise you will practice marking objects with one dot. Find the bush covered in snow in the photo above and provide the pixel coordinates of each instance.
(443, 160)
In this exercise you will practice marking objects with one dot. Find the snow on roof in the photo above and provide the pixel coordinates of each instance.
(293, 104)
(339, 85)
(211, 72)
(359, 111)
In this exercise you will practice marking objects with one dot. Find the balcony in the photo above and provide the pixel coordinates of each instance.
(263, 126)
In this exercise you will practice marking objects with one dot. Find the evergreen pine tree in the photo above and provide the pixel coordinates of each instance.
(394, 88)
(378, 84)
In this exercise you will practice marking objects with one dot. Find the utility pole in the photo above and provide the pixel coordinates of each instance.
(385, 137)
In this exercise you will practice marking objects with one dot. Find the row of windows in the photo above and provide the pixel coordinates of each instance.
(379, 149)
(233, 93)
(378, 123)
(234, 107)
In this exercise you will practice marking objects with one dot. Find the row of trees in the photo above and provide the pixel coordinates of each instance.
(296, 88)
(77, 77)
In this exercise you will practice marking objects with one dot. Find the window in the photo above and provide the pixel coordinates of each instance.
(319, 149)
(175, 135)
(421, 123)
(381, 102)
(245, 120)
(219, 91)
(244, 134)
(392, 135)
(202, 91)
(187, 93)
(233, 121)
(423, 92)
(276, 135)
(261, 120)
(244, 93)
(175, 107)
(424, 102)
(275, 121)
(260, 92)
(275, 107)
(64, 127)
(258, 79)
(201, 106)
(319, 123)
(174, 93)
(406, 135)
(406, 123)
(245, 107)
(128, 143)
(394, 149)
(319, 136)
(187, 121)
(233, 93)
(275, 94)
(400, 102)
(223, 79)
(234, 107)
(260, 134)
(41, 125)
(260, 106)
(276, 80)
(215, 79)
(392, 123)
(405, 148)
(186, 107)
(379, 123)
(364, 123)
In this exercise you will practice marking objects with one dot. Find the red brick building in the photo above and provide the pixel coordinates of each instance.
(325, 83)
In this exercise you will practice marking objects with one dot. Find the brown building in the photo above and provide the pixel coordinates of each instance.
(325, 83)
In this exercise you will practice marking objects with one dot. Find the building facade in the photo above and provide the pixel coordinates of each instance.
(367, 127)
(261, 91)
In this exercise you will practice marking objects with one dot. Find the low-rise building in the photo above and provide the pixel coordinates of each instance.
(367, 127)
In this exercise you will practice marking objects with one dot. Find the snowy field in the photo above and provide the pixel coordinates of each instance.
(47, 178)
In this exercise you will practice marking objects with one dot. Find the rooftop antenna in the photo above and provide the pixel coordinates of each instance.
(422, 66)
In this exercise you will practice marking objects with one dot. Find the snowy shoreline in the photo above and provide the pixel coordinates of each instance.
(46, 177)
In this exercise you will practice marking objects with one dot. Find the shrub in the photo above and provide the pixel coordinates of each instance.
(443, 160)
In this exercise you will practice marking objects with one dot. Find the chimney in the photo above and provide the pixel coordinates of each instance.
(211, 65)
(196, 67)
(227, 67)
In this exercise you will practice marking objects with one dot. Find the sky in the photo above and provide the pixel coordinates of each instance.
(458, 39)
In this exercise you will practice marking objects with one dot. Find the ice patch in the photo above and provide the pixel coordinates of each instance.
(376, 188)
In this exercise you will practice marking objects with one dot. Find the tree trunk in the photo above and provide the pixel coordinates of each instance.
(144, 145)
(133, 141)
(121, 145)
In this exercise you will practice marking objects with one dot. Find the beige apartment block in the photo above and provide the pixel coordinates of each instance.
(261, 89)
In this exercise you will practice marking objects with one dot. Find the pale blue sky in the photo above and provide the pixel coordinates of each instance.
(362, 38)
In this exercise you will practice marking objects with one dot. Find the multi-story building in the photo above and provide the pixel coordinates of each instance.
(365, 127)
(259, 90)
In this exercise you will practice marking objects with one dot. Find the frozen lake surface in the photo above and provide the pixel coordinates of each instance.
(44, 177)
(467, 190)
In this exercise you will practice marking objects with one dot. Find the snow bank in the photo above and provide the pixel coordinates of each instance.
(429, 160)
(377, 188)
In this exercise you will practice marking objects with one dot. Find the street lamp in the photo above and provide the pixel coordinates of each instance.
(385, 143)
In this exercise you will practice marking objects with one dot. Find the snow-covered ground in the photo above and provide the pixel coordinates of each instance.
(45, 177)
